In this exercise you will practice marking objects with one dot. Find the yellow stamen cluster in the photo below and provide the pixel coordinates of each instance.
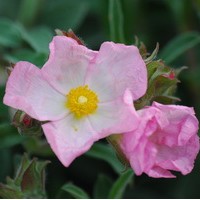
(82, 101)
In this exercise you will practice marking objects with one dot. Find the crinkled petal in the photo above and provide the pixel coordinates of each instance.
(135, 146)
(28, 91)
(146, 127)
(166, 139)
(167, 109)
(115, 117)
(70, 137)
(68, 63)
(158, 172)
(183, 124)
(116, 68)
(146, 159)
(179, 158)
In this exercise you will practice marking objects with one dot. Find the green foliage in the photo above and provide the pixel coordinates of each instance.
(29, 55)
(26, 28)
(26, 125)
(105, 152)
(14, 35)
(115, 17)
(119, 186)
(75, 191)
(64, 14)
(9, 34)
(38, 39)
(9, 136)
(29, 181)
(102, 187)
(162, 84)
(28, 11)
(179, 46)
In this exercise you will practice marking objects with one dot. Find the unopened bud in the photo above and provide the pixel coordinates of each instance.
(29, 181)
(26, 125)
(10, 69)
(70, 34)
(170, 75)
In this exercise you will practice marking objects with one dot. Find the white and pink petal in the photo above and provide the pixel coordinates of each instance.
(70, 137)
(115, 116)
(68, 64)
(116, 68)
(27, 90)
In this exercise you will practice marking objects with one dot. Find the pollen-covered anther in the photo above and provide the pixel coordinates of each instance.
(82, 101)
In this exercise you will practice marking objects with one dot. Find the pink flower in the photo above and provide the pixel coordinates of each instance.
(166, 139)
(84, 95)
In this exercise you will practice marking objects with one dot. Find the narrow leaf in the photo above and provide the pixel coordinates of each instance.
(9, 34)
(38, 38)
(75, 191)
(9, 136)
(36, 58)
(179, 46)
(119, 186)
(105, 152)
(28, 11)
(65, 14)
(102, 187)
(116, 21)
(7, 192)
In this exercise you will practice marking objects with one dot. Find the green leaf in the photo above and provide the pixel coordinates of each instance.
(9, 34)
(9, 136)
(21, 168)
(116, 21)
(152, 56)
(102, 187)
(114, 141)
(37, 146)
(27, 125)
(64, 14)
(152, 68)
(179, 70)
(165, 99)
(4, 114)
(28, 11)
(29, 181)
(164, 86)
(106, 153)
(28, 55)
(6, 155)
(75, 191)
(155, 69)
(179, 45)
(7, 192)
(39, 39)
(33, 180)
(8, 8)
(119, 186)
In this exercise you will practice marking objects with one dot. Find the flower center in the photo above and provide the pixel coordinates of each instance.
(82, 101)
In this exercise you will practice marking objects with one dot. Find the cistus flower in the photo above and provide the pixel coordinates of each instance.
(166, 139)
(83, 95)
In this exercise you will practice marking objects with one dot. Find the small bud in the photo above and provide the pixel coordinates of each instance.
(162, 83)
(10, 68)
(70, 34)
(153, 55)
(26, 125)
(171, 75)
(142, 48)
(29, 182)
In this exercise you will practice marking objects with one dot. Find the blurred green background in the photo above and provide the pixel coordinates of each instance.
(26, 28)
